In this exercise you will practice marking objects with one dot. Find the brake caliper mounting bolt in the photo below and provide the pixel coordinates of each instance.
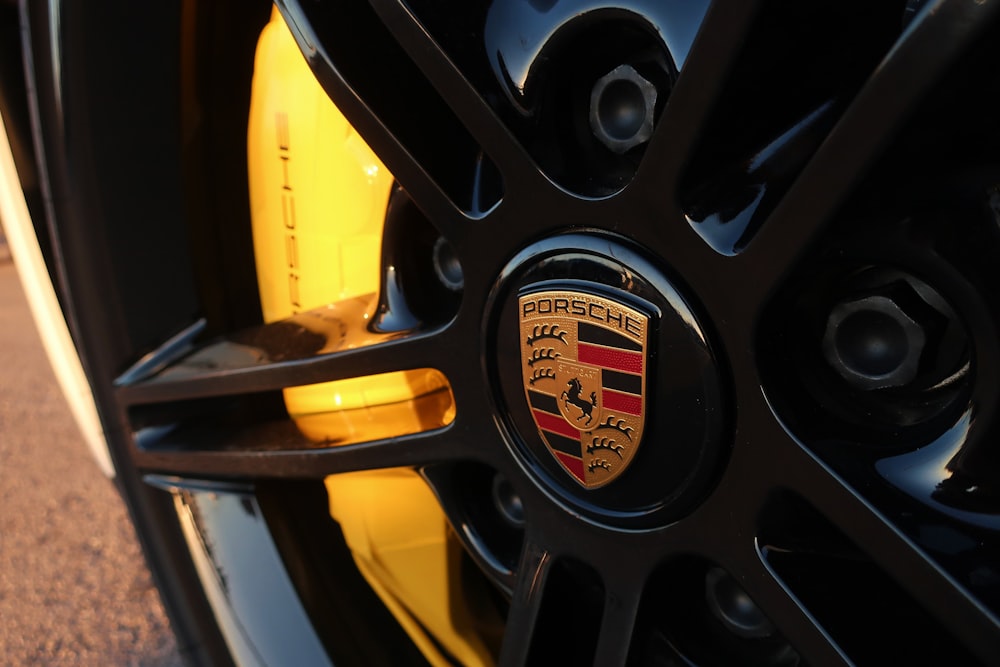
(447, 266)
(731, 605)
(873, 343)
(622, 103)
(507, 501)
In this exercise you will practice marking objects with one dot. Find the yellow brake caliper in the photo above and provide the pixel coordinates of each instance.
(318, 197)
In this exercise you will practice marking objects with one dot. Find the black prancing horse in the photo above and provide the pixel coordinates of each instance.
(572, 395)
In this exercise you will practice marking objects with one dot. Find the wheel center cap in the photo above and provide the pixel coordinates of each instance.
(604, 380)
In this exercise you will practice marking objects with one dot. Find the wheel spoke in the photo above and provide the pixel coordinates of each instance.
(732, 544)
(794, 623)
(914, 571)
(348, 84)
(533, 572)
(304, 349)
(279, 451)
(875, 536)
(623, 595)
(835, 525)
(917, 61)
(457, 92)
(712, 55)
(656, 186)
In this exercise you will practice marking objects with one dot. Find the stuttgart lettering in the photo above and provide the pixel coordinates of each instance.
(615, 318)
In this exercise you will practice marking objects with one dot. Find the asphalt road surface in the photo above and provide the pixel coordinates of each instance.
(74, 589)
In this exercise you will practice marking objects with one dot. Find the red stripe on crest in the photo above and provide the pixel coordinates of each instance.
(619, 402)
(574, 465)
(608, 357)
(556, 424)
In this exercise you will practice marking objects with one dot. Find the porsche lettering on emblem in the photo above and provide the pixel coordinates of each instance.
(583, 360)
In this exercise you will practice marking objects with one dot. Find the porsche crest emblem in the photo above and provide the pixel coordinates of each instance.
(583, 361)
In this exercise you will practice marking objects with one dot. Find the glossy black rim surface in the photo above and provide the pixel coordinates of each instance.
(820, 190)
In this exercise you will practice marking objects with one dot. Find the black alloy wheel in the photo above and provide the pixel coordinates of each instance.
(803, 201)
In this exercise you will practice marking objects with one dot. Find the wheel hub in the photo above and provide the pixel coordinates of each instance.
(610, 391)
